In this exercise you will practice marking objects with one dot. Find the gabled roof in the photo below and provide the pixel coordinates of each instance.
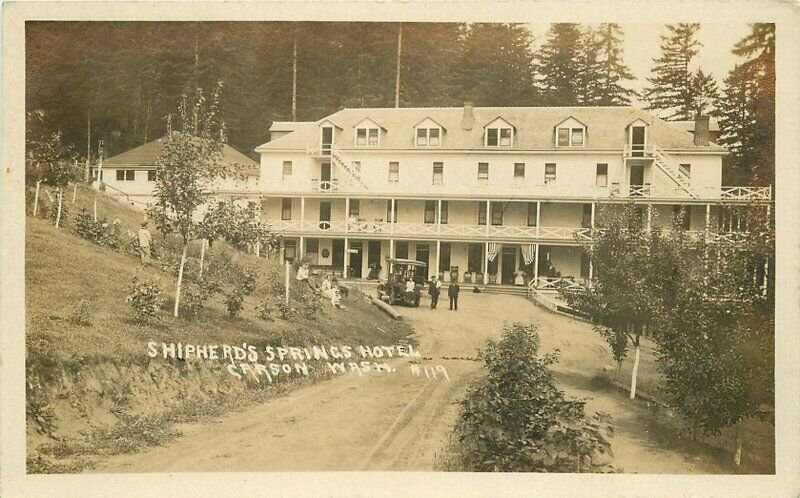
(567, 119)
(500, 118)
(534, 126)
(428, 118)
(370, 121)
(145, 156)
(286, 125)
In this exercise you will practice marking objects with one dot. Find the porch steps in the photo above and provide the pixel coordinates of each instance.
(509, 290)
(672, 170)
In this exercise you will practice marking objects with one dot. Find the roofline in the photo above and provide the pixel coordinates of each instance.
(440, 150)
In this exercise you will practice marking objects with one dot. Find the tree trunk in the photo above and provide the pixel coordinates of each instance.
(202, 255)
(287, 283)
(180, 280)
(294, 79)
(399, 53)
(635, 371)
(737, 457)
(36, 198)
(95, 206)
(74, 191)
(58, 214)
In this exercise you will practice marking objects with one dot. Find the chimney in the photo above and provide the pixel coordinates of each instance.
(468, 119)
(701, 132)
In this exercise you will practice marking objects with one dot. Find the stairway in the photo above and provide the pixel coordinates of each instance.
(673, 171)
(347, 165)
(508, 290)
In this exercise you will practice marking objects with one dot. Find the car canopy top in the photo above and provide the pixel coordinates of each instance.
(409, 262)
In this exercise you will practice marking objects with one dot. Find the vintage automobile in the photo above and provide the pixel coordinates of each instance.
(393, 290)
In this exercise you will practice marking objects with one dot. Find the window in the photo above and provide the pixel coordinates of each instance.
(289, 250)
(499, 137)
(586, 218)
(430, 212)
(355, 207)
(401, 249)
(686, 170)
(361, 136)
(428, 137)
(151, 175)
(532, 219)
(287, 169)
(570, 137)
(602, 175)
(497, 213)
(394, 172)
(373, 136)
(482, 213)
(483, 172)
(438, 173)
(443, 221)
(519, 171)
(286, 209)
(367, 136)
(125, 175)
(392, 217)
(549, 173)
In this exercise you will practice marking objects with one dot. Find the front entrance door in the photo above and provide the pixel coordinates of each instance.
(325, 176)
(354, 270)
(637, 179)
(324, 215)
(509, 265)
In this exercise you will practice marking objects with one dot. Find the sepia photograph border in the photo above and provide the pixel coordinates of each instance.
(785, 482)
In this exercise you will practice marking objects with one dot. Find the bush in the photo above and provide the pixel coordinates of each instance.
(145, 298)
(195, 295)
(517, 420)
(268, 310)
(233, 302)
(105, 234)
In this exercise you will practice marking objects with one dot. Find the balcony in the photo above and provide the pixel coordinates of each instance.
(317, 185)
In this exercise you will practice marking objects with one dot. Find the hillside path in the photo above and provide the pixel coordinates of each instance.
(399, 421)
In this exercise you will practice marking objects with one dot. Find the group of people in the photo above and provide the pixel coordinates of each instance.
(435, 288)
(329, 288)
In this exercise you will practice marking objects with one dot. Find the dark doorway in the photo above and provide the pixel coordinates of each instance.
(355, 259)
(338, 253)
(374, 257)
(637, 141)
(401, 249)
(444, 257)
(637, 180)
(324, 215)
(327, 139)
(509, 265)
(325, 176)
(423, 254)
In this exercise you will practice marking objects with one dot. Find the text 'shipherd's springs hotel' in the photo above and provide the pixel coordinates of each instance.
(482, 194)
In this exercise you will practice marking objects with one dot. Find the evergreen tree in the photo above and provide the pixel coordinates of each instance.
(612, 71)
(496, 67)
(747, 109)
(560, 67)
(589, 85)
(674, 89)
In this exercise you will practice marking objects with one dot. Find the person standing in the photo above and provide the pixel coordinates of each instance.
(434, 290)
(145, 243)
(452, 293)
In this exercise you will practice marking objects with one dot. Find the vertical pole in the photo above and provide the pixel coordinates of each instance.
(36, 198)
(536, 267)
(258, 249)
(439, 219)
(708, 217)
(391, 248)
(202, 255)
(347, 214)
(538, 215)
(488, 221)
(399, 52)
(346, 257)
(649, 216)
(486, 257)
(302, 213)
(591, 221)
(294, 79)
(286, 295)
(392, 217)
(302, 249)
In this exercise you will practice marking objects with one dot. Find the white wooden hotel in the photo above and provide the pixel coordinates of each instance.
(484, 194)
(487, 195)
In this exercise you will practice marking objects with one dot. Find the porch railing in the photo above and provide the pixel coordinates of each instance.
(318, 185)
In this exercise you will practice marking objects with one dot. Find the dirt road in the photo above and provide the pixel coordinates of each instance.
(399, 421)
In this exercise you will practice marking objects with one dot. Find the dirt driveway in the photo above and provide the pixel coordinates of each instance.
(399, 421)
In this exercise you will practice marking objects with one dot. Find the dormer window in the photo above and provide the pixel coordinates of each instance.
(428, 137)
(570, 133)
(367, 136)
(499, 133)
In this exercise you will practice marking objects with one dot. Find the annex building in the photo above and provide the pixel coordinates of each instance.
(485, 194)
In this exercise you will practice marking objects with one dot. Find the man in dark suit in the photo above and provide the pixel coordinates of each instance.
(452, 292)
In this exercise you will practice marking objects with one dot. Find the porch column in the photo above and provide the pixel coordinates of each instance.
(591, 224)
(649, 216)
(486, 256)
(392, 219)
(438, 256)
(391, 256)
(346, 257)
(282, 250)
(346, 214)
(536, 267)
(438, 220)
(302, 212)
(488, 222)
(302, 248)
(538, 215)
(708, 217)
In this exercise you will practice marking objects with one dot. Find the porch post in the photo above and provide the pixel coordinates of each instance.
(438, 220)
(346, 257)
(592, 218)
(302, 213)
(392, 218)
(486, 256)
(302, 248)
(488, 222)
(649, 216)
(536, 267)
(438, 257)
(391, 248)
(708, 217)
(538, 214)
(346, 214)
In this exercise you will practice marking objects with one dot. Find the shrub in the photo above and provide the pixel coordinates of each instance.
(233, 302)
(517, 420)
(145, 298)
(267, 310)
(195, 295)
(79, 314)
(53, 213)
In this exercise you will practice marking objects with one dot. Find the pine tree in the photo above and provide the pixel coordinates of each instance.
(589, 86)
(559, 68)
(747, 109)
(674, 89)
(612, 68)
